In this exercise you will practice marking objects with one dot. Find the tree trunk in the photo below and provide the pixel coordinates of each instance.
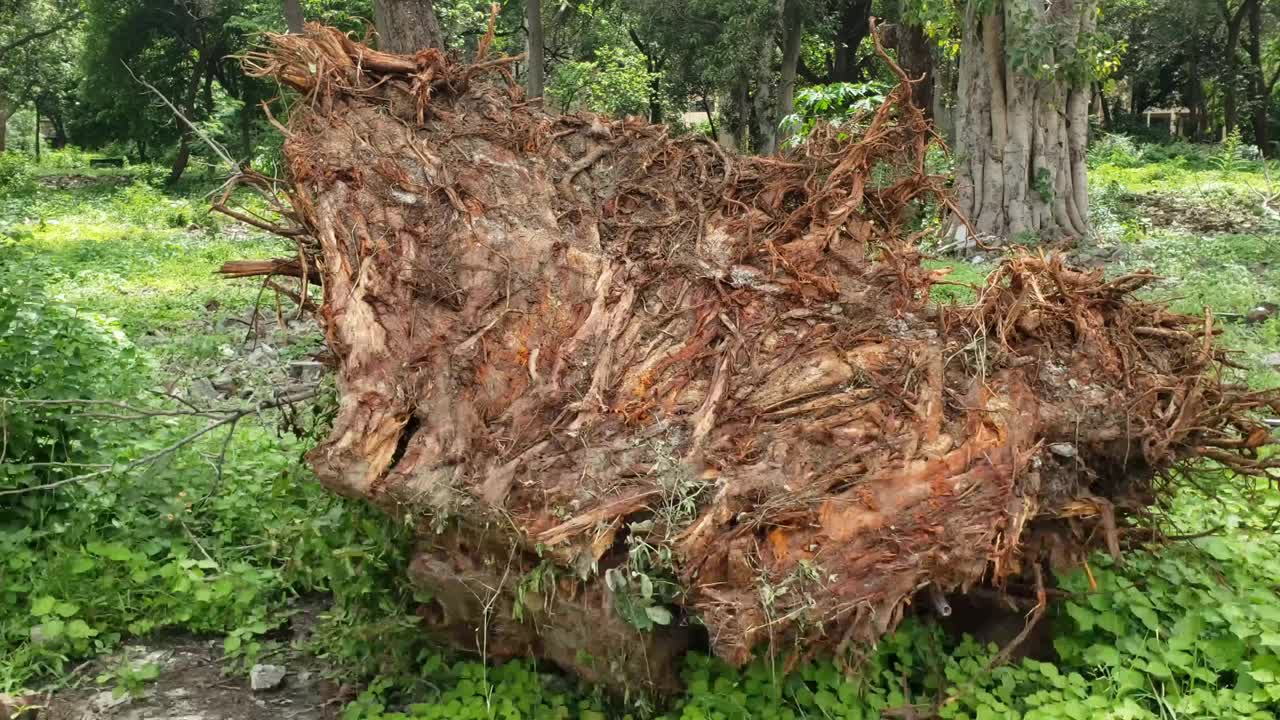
(915, 55)
(792, 35)
(654, 59)
(763, 99)
(5, 111)
(407, 26)
(1103, 107)
(944, 92)
(655, 93)
(711, 116)
(1259, 93)
(188, 108)
(1197, 121)
(736, 129)
(293, 17)
(180, 160)
(535, 48)
(855, 22)
(1021, 139)
(59, 131)
(1234, 20)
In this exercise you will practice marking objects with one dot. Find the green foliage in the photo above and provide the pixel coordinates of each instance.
(835, 103)
(1042, 184)
(616, 82)
(130, 678)
(1190, 630)
(142, 204)
(1231, 156)
(15, 175)
(49, 353)
(1114, 149)
(960, 282)
(67, 158)
(472, 691)
(643, 587)
(175, 542)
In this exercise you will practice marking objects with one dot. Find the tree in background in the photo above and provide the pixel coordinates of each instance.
(294, 17)
(1022, 118)
(187, 50)
(744, 55)
(407, 26)
(1234, 17)
(1197, 54)
(739, 62)
(39, 42)
(535, 45)
(1261, 84)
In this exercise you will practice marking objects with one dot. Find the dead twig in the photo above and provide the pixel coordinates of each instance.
(229, 417)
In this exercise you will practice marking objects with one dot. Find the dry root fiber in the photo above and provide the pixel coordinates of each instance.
(569, 345)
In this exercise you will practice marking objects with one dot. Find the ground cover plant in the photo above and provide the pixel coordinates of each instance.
(110, 311)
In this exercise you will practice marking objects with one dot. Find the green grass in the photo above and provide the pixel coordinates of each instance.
(960, 282)
(1189, 631)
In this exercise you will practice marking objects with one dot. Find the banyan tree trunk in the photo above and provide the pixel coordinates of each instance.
(1022, 120)
(635, 393)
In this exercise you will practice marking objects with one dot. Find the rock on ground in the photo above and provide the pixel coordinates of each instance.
(266, 677)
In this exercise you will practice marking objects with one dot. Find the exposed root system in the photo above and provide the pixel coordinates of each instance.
(611, 374)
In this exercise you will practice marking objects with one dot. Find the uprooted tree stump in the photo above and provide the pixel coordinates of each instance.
(634, 393)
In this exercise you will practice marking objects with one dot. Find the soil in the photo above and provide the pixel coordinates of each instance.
(75, 181)
(1176, 211)
(196, 682)
(194, 686)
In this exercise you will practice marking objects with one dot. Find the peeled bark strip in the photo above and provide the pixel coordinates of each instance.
(571, 348)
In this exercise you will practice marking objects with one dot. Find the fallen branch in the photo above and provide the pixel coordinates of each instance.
(284, 267)
(227, 417)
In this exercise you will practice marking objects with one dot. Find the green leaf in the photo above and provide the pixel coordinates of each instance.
(1266, 677)
(53, 629)
(42, 606)
(231, 644)
(1147, 616)
(79, 630)
(1130, 679)
(1082, 616)
(1102, 655)
(110, 551)
(1112, 623)
(66, 609)
(658, 614)
(1076, 710)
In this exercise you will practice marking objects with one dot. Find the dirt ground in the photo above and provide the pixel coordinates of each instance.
(195, 682)
(192, 685)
